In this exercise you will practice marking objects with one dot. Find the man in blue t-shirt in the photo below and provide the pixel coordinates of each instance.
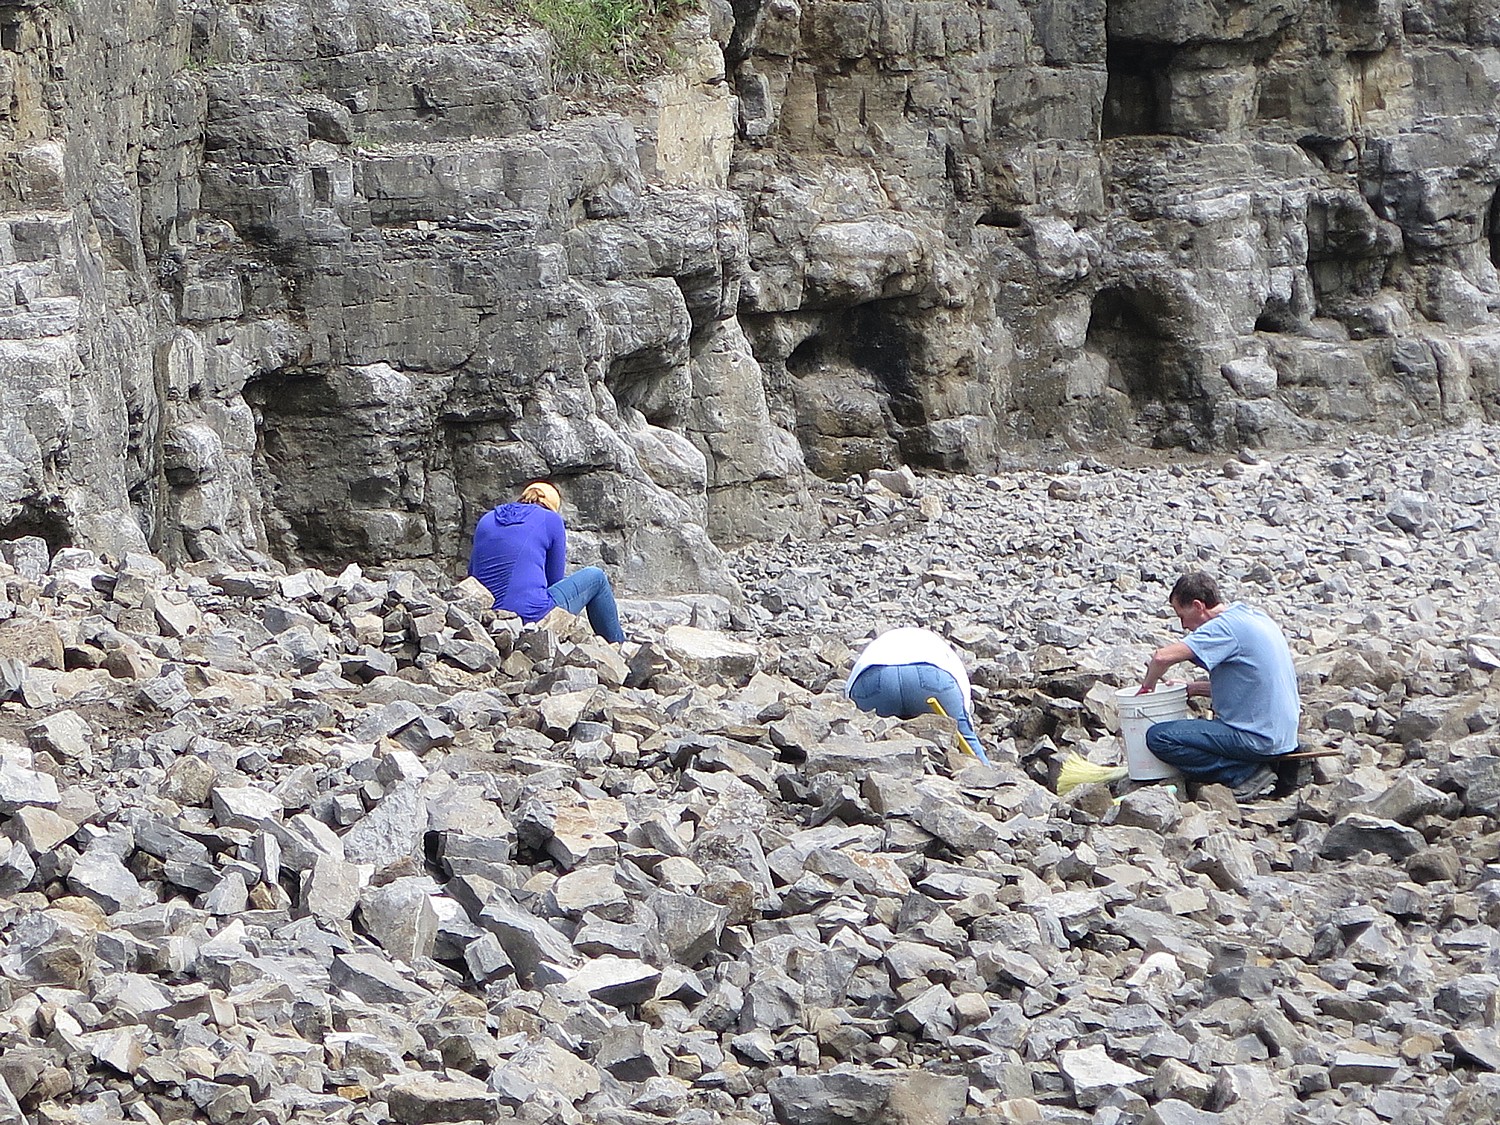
(1250, 679)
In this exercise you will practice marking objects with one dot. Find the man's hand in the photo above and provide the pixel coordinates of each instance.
(1144, 690)
(1162, 659)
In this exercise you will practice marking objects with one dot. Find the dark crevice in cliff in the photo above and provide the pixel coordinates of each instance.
(1492, 228)
(1135, 100)
(998, 215)
(343, 464)
(857, 391)
(883, 346)
(644, 380)
(1128, 327)
(49, 521)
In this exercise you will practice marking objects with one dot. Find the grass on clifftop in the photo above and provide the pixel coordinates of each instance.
(605, 38)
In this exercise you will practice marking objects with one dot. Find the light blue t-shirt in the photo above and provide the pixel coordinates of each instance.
(1250, 669)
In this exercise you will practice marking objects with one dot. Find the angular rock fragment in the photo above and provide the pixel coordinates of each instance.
(1359, 832)
(843, 1095)
(1092, 1075)
(421, 1099)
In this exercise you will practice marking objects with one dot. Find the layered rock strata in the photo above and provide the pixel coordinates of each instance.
(324, 283)
(1176, 223)
(326, 286)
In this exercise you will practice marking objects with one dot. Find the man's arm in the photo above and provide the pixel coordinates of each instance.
(1162, 659)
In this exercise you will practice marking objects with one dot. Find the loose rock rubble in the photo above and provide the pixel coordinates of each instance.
(345, 848)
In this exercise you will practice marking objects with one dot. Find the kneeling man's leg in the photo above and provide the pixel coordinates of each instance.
(1205, 750)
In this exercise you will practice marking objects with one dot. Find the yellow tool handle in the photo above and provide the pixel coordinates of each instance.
(963, 747)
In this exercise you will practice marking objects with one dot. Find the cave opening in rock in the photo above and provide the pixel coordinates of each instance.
(855, 393)
(653, 381)
(1136, 97)
(1492, 229)
(1277, 315)
(1128, 327)
(882, 345)
(47, 522)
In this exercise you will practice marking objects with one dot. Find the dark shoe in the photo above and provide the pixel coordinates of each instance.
(1291, 776)
(1258, 784)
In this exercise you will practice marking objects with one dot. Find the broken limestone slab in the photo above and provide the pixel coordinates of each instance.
(1093, 1076)
(621, 981)
(17, 868)
(176, 615)
(464, 813)
(424, 1099)
(527, 940)
(690, 926)
(1360, 832)
(330, 888)
(572, 830)
(589, 890)
(21, 786)
(1362, 1068)
(400, 916)
(29, 555)
(41, 829)
(31, 642)
(846, 1094)
(374, 980)
(542, 1064)
(711, 657)
(99, 876)
(391, 831)
(902, 757)
(65, 735)
(246, 806)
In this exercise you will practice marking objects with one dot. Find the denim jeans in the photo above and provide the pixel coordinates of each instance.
(589, 589)
(1208, 750)
(901, 691)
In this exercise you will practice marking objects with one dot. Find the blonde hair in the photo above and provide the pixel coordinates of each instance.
(543, 493)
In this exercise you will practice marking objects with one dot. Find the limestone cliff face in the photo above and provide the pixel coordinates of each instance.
(1175, 222)
(324, 281)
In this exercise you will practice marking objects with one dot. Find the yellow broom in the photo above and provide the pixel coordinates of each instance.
(958, 739)
(1077, 770)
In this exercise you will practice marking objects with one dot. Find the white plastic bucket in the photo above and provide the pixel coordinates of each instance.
(1137, 712)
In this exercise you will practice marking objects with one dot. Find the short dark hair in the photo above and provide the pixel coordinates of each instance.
(1196, 586)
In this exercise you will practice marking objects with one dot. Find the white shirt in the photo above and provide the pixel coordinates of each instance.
(911, 645)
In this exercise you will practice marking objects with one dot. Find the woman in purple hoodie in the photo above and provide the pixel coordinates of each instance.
(519, 552)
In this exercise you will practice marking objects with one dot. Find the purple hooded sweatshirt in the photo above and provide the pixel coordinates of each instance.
(520, 550)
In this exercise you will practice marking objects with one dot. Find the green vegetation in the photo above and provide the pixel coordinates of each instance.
(605, 37)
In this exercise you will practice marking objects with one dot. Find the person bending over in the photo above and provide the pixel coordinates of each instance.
(900, 670)
(1250, 679)
(520, 549)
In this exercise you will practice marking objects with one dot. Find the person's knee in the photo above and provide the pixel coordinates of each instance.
(1161, 740)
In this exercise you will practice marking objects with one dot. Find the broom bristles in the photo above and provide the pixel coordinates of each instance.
(1077, 770)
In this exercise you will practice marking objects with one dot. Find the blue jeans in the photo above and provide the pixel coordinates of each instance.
(901, 691)
(589, 589)
(1208, 750)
